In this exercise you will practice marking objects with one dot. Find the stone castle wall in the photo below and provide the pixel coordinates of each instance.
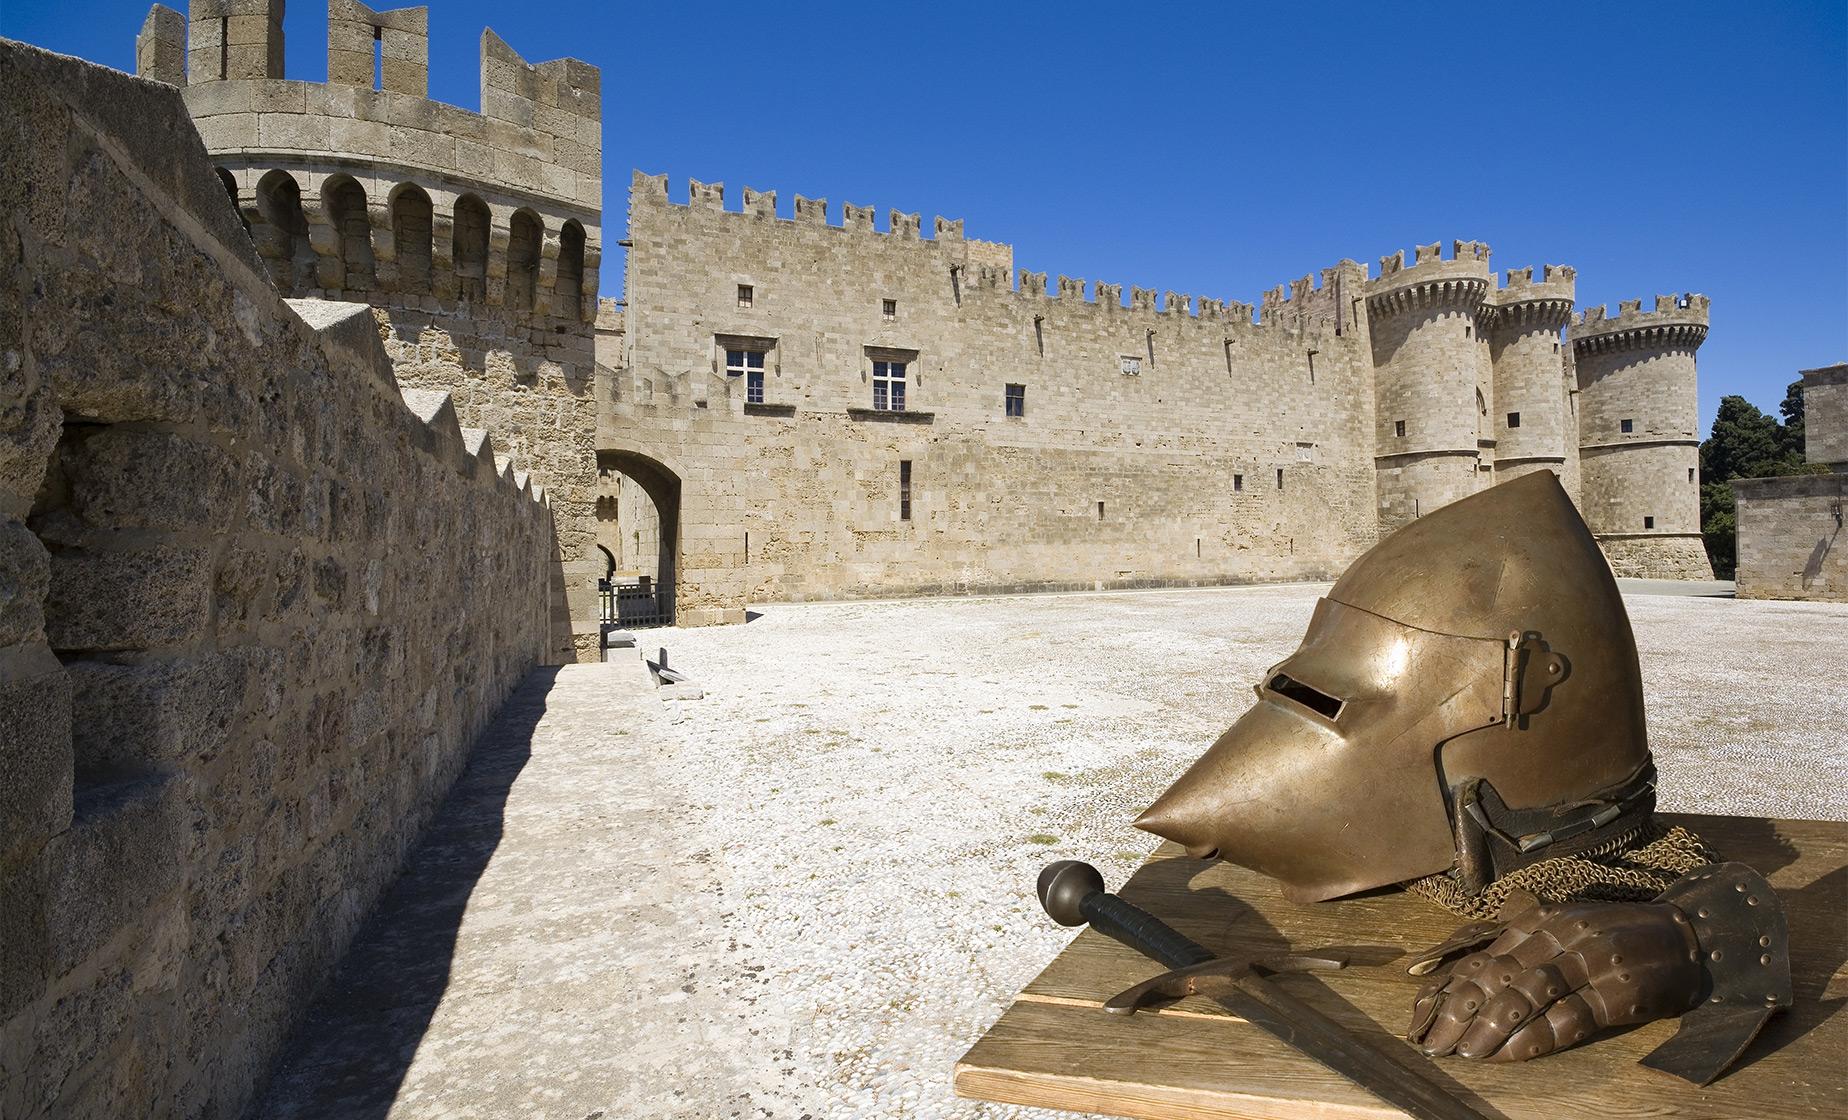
(1791, 543)
(1165, 475)
(476, 236)
(259, 603)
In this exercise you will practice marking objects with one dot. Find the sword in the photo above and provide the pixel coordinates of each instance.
(1073, 893)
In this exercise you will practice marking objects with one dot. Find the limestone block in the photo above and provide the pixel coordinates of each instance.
(125, 848)
(35, 756)
(132, 599)
(276, 95)
(126, 478)
(293, 131)
(230, 130)
(25, 576)
(25, 967)
(130, 718)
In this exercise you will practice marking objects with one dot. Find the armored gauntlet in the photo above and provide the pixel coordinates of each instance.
(1552, 976)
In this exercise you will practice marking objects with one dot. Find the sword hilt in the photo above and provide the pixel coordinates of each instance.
(1073, 893)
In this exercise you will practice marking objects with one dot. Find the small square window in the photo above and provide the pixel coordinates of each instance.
(1305, 452)
(1131, 365)
(1648, 522)
(1238, 482)
(1514, 419)
(889, 309)
(1016, 400)
(745, 295)
(1398, 428)
(1627, 425)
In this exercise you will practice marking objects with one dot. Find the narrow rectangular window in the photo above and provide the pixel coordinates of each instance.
(1627, 425)
(1279, 478)
(1238, 482)
(224, 46)
(888, 309)
(746, 294)
(904, 489)
(889, 386)
(1100, 511)
(1514, 419)
(1016, 400)
(1648, 522)
(1398, 428)
(1690, 474)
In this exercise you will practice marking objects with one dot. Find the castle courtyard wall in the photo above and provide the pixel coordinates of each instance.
(1167, 475)
(1791, 544)
(259, 601)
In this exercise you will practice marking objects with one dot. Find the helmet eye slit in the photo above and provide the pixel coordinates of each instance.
(1317, 701)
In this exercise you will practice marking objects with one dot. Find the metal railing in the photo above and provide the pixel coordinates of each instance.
(634, 602)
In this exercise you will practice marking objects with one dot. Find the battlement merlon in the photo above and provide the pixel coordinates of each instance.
(1525, 304)
(403, 38)
(232, 40)
(1463, 278)
(1676, 322)
(557, 97)
(160, 48)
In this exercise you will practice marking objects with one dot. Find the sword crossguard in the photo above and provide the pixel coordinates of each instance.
(1211, 978)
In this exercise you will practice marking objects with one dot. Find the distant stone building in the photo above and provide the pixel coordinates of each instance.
(788, 408)
(1790, 528)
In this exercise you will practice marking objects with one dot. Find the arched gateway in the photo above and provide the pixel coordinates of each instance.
(638, 527)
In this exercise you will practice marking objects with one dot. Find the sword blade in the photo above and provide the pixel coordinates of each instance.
(1304, 1029)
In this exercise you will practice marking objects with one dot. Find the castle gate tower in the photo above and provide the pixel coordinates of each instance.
(476, 237)
(1430, 409)
(1638, 430)
(1531, 413)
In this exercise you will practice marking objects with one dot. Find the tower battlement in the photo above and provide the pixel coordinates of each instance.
(652, 190)
(1676, 322)
(1534, 304)
(1462, 279)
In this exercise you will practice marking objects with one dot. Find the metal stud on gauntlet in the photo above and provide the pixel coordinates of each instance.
(1552, 976)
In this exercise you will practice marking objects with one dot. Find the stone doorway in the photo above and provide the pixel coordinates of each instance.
(638, 529)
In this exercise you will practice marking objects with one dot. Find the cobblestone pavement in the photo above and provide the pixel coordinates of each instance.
(808, 891)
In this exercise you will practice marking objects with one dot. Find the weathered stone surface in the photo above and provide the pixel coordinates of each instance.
(136, 598)
(35, 755)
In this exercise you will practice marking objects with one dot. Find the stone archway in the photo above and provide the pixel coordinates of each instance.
(638, 527)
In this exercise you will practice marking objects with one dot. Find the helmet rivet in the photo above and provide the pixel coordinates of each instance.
(1765, 941)
(1765, 960)
(1715, 955)
(1751, 900)
(1616, 958)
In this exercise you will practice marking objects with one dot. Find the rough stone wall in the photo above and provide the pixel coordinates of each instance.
(1791, 544)
(1639, 367)
(475, 236)
(257, 604)
(1825, 415)
(813, 474)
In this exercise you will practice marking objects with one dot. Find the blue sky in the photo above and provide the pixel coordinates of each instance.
(1223, 149)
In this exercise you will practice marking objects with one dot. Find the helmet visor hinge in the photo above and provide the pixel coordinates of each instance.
(1530, 671)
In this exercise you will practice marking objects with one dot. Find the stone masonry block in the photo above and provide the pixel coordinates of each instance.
(125, 478)
(141, 598)
(130, 718)
(125, 848)
(25, 577)
(35, 758)
(293, 131)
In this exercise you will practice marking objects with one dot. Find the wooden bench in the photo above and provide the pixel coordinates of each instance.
(1055, 1047)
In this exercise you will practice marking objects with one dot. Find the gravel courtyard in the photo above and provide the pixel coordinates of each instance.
(805, 893)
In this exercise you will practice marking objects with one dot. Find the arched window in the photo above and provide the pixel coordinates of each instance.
(345, 201)
(569, 287)
(524, 235)
(471, 248)
(283, 240)
(230, 183)
(410, 237)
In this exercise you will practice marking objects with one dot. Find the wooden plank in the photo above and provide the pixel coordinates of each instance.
(1052, 1048)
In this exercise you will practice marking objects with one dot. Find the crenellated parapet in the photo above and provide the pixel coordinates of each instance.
(1678, 322)
(363, 188)
(1523, 303)
(1459, 282)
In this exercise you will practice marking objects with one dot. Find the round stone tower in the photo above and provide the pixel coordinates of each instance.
(475, 236)
(1638, 432)
(1531, 420)
(1429, 373)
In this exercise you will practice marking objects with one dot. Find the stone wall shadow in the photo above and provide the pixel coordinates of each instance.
(349, 1055)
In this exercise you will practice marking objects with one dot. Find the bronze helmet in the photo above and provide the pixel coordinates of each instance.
(1467, 697)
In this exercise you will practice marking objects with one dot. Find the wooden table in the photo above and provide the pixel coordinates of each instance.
(1055, 1048)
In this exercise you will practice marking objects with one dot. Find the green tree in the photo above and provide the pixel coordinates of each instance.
(1745, 443)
